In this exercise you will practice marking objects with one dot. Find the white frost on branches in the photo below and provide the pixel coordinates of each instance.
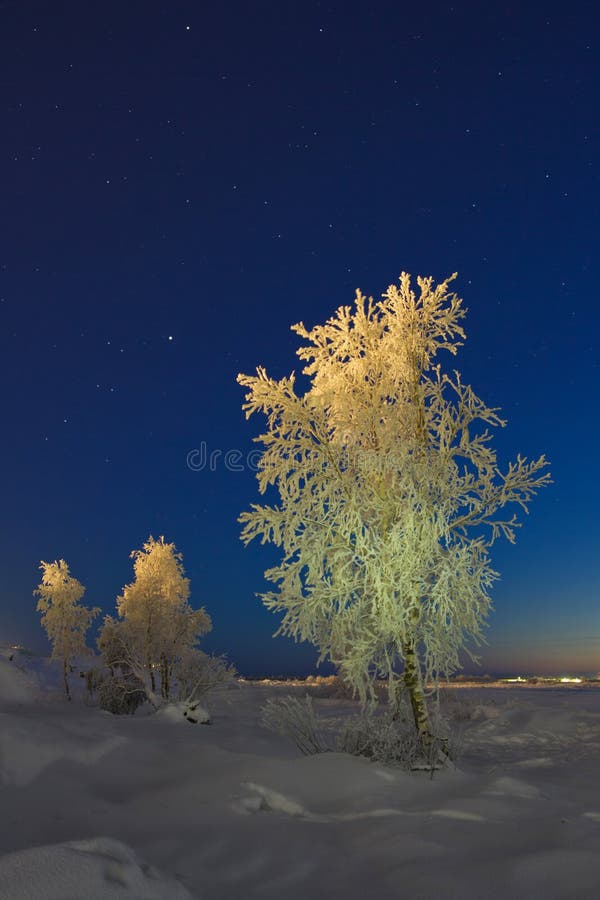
(390, 494)
(64, 620)
(153, 640)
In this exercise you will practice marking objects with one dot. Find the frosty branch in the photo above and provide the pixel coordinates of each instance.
(390, 494)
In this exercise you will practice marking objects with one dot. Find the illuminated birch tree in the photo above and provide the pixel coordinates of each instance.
(156, 626)
(63, 619)
(390, 494)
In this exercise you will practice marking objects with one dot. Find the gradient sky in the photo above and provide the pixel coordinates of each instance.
(182, 181)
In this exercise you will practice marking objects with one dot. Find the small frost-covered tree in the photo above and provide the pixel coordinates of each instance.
(156, 626)
(64, 620)
(390, 495)
(120, 682)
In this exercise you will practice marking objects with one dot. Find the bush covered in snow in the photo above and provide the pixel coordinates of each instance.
(294, 718)
(380, 733)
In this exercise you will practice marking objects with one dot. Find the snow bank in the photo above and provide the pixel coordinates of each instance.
(234, 811)
(98, 869)
(192, 713)
(29, 744)
(16, 685)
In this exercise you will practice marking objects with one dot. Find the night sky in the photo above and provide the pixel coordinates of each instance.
(182, 181)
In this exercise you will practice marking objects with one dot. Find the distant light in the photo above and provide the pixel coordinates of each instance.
(570, 680)
(170, 337)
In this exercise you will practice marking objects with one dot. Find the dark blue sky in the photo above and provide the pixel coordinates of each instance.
(183, 181)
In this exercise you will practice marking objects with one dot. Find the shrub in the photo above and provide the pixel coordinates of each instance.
(117, 693)
(197, 673)
(385, 736)
(294, 718)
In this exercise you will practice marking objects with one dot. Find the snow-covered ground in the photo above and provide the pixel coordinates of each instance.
(95, 806)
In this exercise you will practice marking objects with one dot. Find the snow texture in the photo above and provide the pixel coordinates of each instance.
(97, 869)
(99, 807)
(192, 713)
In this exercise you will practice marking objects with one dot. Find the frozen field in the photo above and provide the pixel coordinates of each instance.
(98, 806)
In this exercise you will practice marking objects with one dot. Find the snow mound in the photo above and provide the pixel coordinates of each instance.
(29, 745)
(537, 762)
(184, 712)
(460, 814)
(481, 712)
(97, 869)
(512, 787)
(16, 685)
(559, 874)
(264, 798)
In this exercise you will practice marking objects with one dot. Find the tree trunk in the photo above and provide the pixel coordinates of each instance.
(414, 686)
(167, 679)
(154, 699)
(164, 678)
(66, 680)
(152, 680)
(145, 674)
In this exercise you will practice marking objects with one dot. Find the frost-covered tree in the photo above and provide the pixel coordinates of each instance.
(64, 620)
(156, 626)
(390, 494)
(121, 682)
